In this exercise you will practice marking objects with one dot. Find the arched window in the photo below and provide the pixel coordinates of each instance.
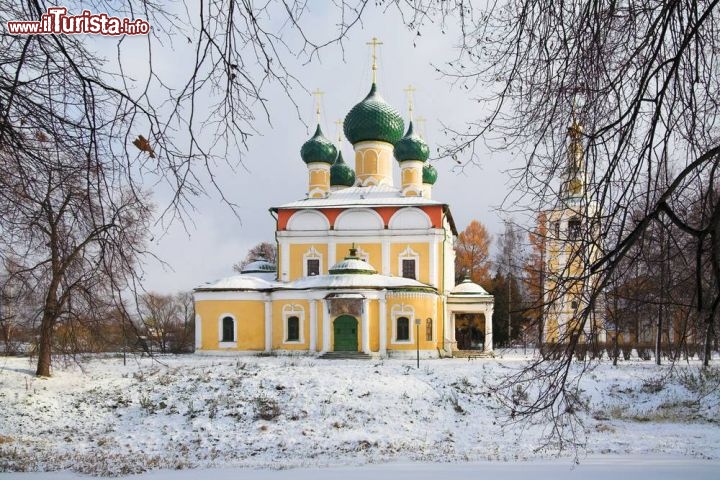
(403, 329)
(293, 319)
(428, 330)
(228, 329)
(293, 329)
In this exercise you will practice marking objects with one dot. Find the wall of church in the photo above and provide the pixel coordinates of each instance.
(419, 251)
(300, 252)
(412, 305)
(249, 317)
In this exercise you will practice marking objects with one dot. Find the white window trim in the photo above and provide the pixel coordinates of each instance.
(232, 344)
(398, 311)
(312, 254)
(409, 254)
(293, 310)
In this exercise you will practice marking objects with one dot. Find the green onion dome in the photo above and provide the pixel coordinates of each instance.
(373, 119)
(341, 175)
(318, 149)
(429, 174)
(411, 147)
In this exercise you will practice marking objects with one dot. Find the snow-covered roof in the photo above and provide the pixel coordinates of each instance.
(352, 265)
(380, 195)
(239, 282)
(259, 266)
(468, 288)
(352, 281)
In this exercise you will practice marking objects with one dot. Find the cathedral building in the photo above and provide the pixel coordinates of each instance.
(365, 261)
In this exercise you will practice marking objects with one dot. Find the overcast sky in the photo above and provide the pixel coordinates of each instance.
(272, 172)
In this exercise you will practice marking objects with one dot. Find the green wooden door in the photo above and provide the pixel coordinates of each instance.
(345, 329)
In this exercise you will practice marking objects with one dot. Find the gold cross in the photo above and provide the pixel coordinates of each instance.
(318, 96)
(339, 124)
(409, 91)
(421, 126)
(374, 43)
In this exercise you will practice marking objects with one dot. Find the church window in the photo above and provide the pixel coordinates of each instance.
(403, 329)
(293, 318)
(428, 330)
(293, 329)
(227, 329)
(408, 268)
(408, 263)
(402, 317)
(574, 229)
(312, 262)
(556, 229)
(313, 266)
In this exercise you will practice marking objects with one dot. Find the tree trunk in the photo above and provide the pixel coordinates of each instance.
(50, 316)
(709, 333)
(45, 351)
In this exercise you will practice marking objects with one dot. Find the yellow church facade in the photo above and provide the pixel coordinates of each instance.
(363, 266)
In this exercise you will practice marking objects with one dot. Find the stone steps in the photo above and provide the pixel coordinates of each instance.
(472, 354)
(345, 356)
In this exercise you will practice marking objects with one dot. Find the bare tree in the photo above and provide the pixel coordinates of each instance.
(84, 130)
(647, 92)
(74, 238)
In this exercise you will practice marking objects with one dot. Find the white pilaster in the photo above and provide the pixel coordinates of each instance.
(268, 325)
(434, 262)
(332, 253)
(326, 327)
(198, 332)
(383, 324)
(366, 326)
(313, 325)
(285, 261)
(488, 329)
(385, 256)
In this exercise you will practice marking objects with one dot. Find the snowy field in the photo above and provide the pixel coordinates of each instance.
(257, 417)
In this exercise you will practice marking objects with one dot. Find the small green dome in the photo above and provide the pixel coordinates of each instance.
(318, 149)
(373, 119)
(429, 174)
(411, 147)
(341, 175)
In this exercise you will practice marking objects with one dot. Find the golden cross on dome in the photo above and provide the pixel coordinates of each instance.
(409, 92)
(339, 124)
(318, 97)
(374, 43)
(421, 126)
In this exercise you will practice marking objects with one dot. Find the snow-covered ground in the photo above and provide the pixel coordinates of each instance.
(356, 417)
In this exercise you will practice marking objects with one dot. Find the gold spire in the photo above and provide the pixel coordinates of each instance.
(339, 124)
(409, 92)
(318, 96)
(374, 43)
(575, 129)
(575, 151)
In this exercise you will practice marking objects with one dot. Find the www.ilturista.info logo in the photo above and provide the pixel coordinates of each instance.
(57, 21)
